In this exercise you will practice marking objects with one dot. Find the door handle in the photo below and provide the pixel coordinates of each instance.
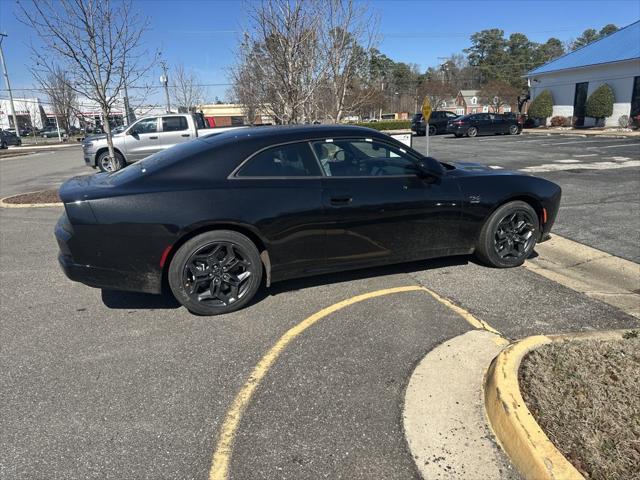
(339, 201)
(153, 138)
(185, 135)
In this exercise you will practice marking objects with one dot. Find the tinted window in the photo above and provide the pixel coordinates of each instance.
(451, 115)
(293, 160)
(360, 158)
(147, 125)
(174, 124)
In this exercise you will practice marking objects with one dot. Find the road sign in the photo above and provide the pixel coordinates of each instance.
(426, 110)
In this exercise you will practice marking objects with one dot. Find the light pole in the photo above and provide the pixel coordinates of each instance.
(164, 80)
(6, 79)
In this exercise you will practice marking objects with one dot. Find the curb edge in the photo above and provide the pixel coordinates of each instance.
(520, 436)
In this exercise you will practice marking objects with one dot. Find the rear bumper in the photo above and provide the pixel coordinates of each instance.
(101, 277)
(109, 279)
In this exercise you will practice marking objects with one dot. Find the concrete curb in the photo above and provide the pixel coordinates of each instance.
(583, 133)
(443, 414)
(4, 204)
(595, 273)
(528, 447)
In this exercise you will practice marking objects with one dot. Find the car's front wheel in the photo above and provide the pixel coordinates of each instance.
(105, 164)
(513, 130)
(432, 130)
(3, 145)
(216, 272)
(509, 235)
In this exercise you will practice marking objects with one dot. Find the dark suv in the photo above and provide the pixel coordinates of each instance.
(9, 138)
(484, 124)
(437, 123)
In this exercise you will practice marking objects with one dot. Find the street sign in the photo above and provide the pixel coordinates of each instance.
(426, 110)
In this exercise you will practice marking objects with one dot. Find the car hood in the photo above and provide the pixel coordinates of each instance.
(478, 169)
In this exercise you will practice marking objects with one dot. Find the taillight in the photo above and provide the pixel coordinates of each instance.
(458, 122)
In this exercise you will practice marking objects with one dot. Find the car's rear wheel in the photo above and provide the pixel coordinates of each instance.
(216, 272)
(509, 235)
(513, 129)
(432, 130)
(472, 132)
(106, 165)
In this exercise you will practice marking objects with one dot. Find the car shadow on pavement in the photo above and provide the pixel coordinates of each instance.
(134, 300)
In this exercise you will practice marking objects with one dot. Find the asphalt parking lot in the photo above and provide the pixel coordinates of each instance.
(117, 385)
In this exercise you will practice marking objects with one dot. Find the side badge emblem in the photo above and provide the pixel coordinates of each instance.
(474, 198)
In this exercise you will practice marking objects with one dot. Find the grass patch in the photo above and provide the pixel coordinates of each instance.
(586, 397)
(43, 196)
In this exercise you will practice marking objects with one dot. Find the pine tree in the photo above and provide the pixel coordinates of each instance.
(600, 103)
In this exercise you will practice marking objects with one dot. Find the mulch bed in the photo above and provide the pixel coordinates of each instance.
(43, 196)
(586, 397)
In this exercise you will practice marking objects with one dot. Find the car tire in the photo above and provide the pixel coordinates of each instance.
(472, 132)
(508, 236)
(513, 130)
(432, 130)
(18, 143)
(200, 277)
(105, 166)
(3, 145)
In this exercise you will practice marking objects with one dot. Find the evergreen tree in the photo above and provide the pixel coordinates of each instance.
(600, 103)
(542, 105)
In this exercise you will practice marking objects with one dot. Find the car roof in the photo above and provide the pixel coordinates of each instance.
(285, 133)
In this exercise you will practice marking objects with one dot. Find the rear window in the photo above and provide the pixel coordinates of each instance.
(174, 124)
(293, 160)
(417, 117)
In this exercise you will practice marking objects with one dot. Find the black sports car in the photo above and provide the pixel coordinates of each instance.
(212, 218)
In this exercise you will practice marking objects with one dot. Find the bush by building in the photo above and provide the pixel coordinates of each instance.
(560, 121)
(600, 103)
(541, 106)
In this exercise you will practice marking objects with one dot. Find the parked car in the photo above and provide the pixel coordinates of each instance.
(9, 138)
(483, 124)
(143, 138)
(215, 215)
(52, 132)
(437, 123)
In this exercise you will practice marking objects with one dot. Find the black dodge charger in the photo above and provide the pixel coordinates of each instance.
(213, 218)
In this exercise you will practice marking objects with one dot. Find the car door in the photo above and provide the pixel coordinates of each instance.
(284, 183)
(175, 129)
(142, 139)
(483, 123)
(378, 209)
(500, 125)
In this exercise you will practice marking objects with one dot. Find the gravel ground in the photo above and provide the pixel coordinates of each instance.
(586, 397)
(43, 196)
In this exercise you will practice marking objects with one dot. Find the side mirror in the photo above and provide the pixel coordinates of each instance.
(428, 168)
(132, 132)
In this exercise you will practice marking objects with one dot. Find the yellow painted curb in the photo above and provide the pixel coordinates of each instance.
(4, 204)
(520, 436)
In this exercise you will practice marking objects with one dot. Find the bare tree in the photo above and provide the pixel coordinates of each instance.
(187, 89)
(436, 91)
(281, 49)
(97, 44)
(349, 34)
(64, 100)
(499, 94)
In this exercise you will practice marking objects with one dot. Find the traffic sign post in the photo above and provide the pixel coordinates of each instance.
(426, 116)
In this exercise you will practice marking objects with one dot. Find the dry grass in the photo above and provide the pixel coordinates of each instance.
(43, 196)
(586, 397)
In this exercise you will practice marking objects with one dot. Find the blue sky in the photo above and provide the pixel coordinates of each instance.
(203, 34)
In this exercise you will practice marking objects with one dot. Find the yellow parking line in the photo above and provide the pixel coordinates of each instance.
(222, 455)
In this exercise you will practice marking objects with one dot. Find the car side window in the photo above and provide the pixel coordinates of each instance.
(451, 115)
(363, 158)
(174, 124)
(292, 160)
(147, 125)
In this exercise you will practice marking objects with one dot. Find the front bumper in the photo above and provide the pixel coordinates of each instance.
(89, 155)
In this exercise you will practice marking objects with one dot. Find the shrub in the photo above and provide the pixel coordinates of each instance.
(386, 124)
(542, 105)
(560, 121)
(600, 102)
(623, 121)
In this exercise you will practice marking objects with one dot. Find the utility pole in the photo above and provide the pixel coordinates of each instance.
(164, 80)
(6, 79)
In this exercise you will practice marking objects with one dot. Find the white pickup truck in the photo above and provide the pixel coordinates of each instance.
(145, 137)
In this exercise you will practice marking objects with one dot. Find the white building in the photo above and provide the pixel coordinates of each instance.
(572, 78)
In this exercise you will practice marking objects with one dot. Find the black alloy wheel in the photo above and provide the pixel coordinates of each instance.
(216, 272)
(513, 130)
(509, 235)
(432, 130)
(472, 132)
